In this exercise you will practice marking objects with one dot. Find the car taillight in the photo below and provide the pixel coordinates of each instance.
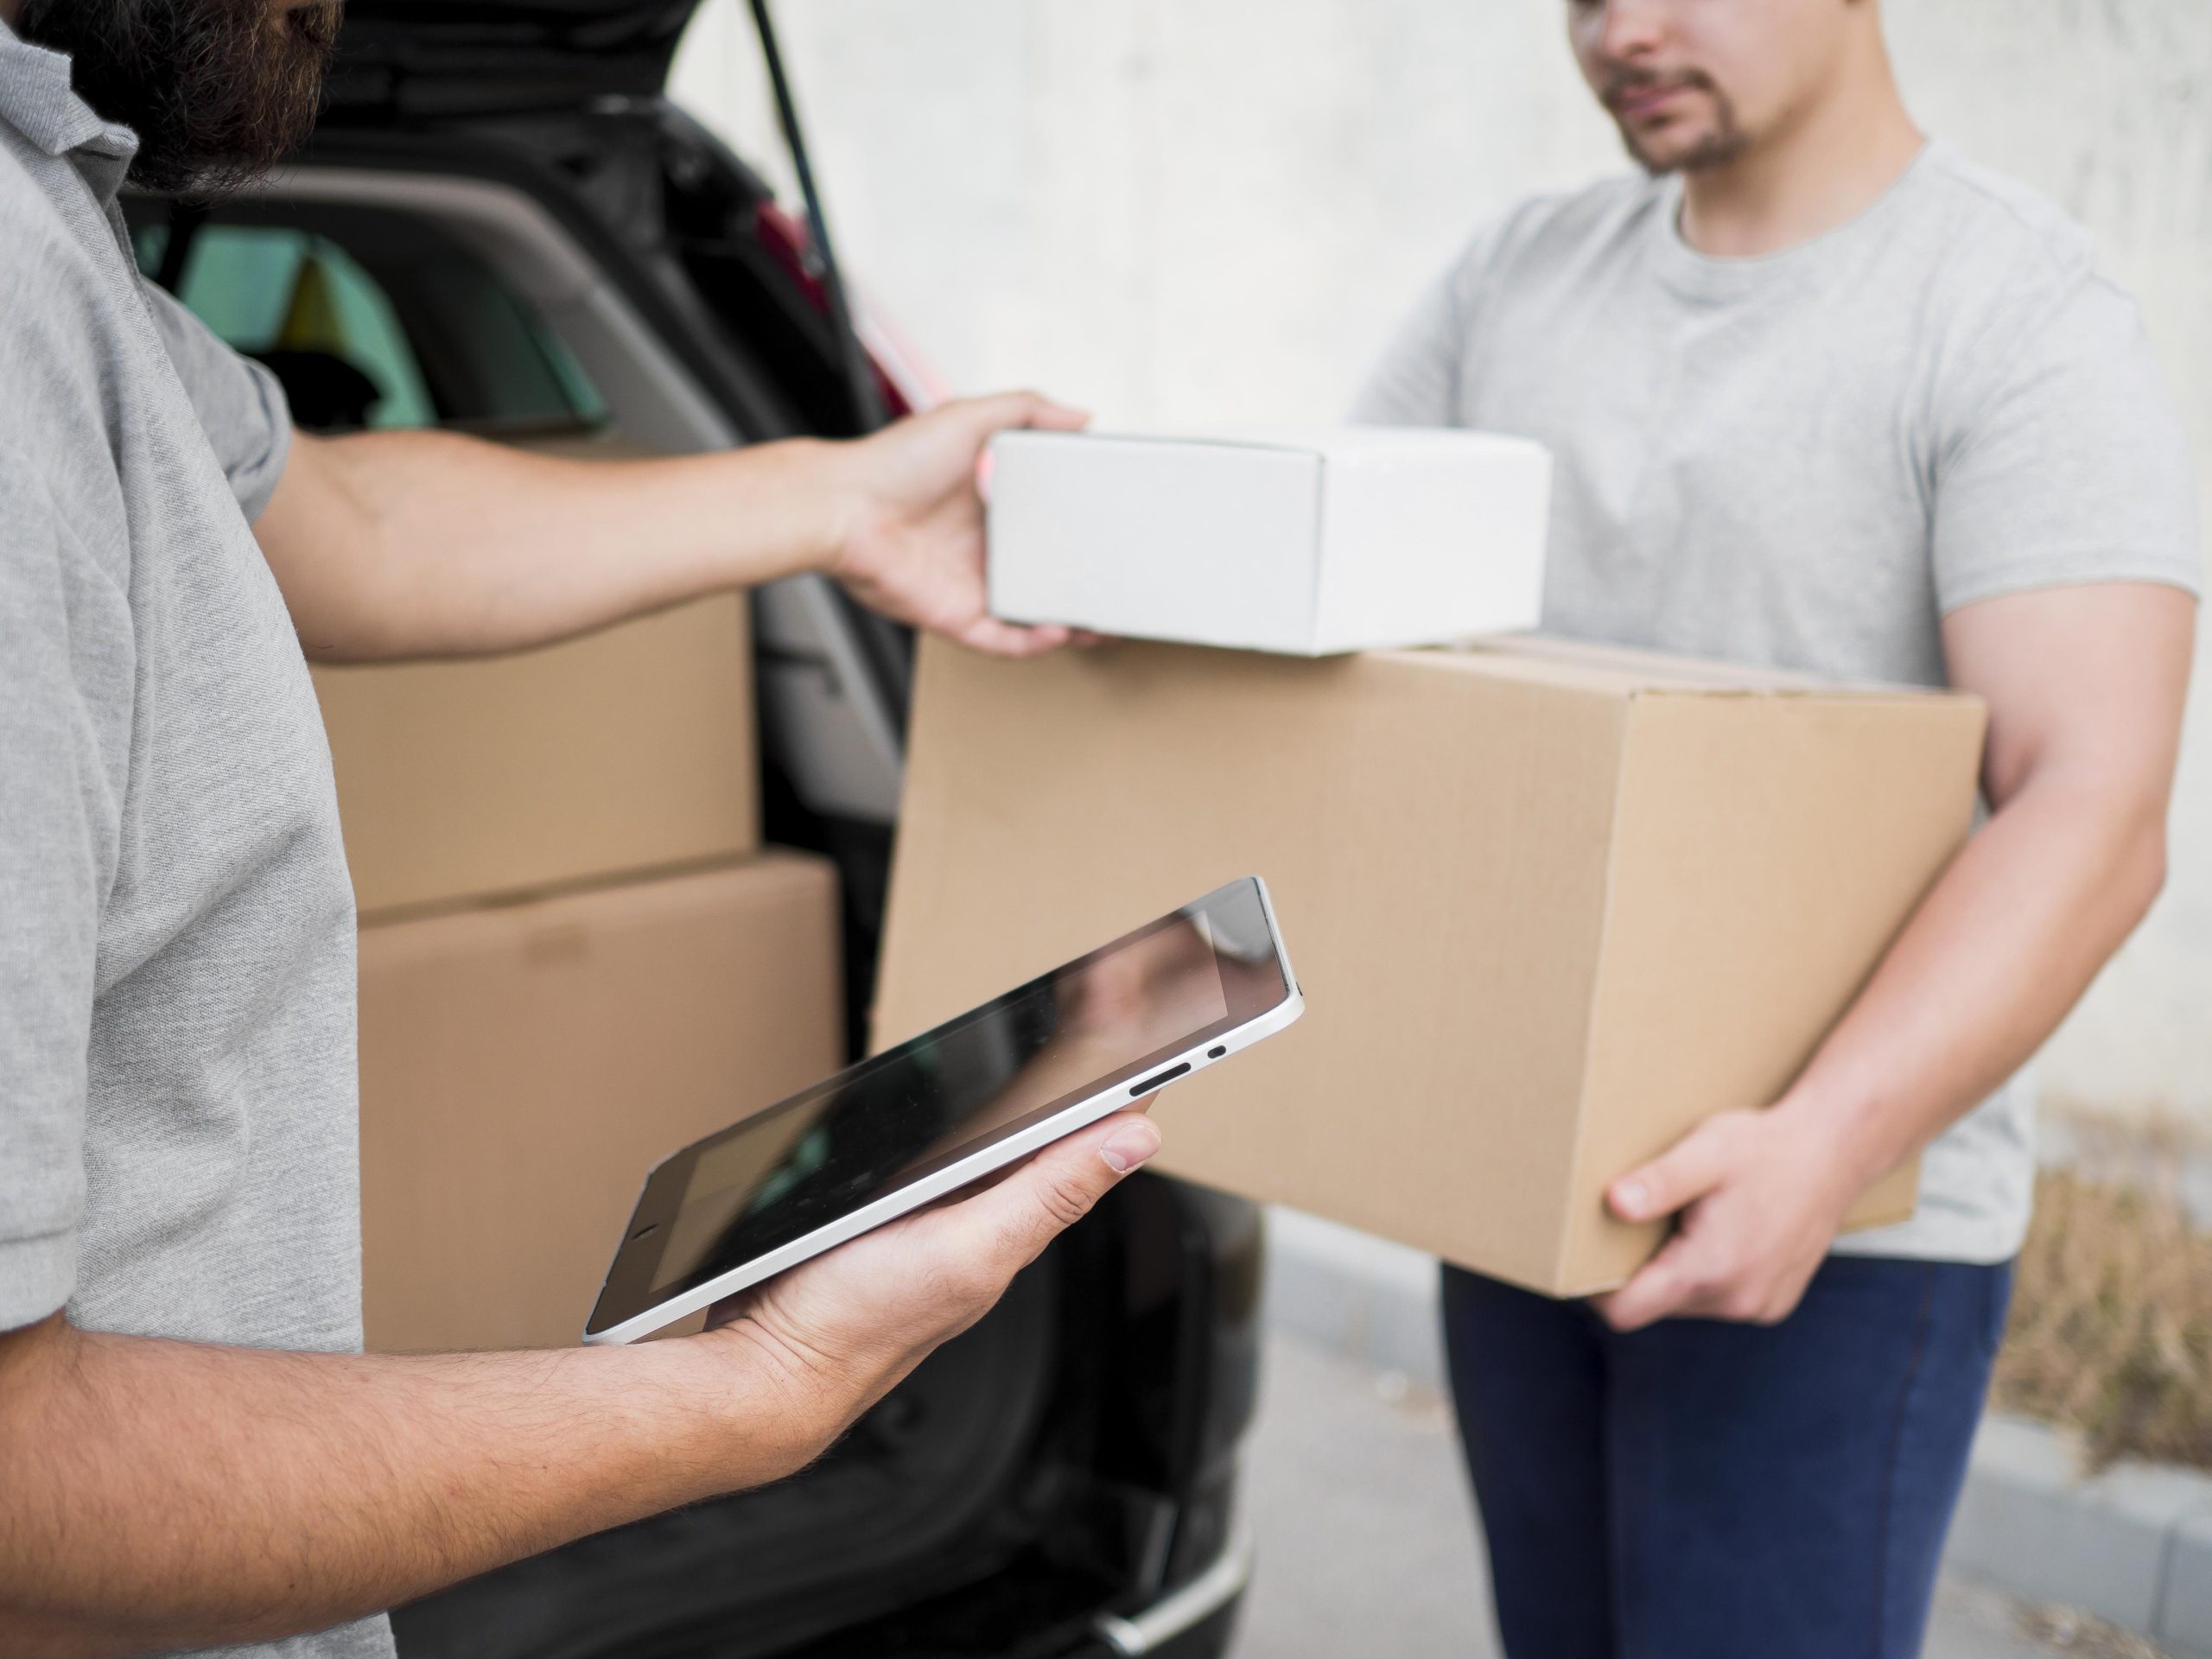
(785, 236)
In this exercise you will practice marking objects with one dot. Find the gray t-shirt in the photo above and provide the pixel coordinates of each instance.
(1805, 460)
(177, 1108)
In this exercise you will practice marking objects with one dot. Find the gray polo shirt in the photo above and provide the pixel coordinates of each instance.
(177, 1108)
(1807, 460)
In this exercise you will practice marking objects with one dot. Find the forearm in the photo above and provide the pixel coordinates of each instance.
(426, 544)
(164, 1494)
(1995, 956)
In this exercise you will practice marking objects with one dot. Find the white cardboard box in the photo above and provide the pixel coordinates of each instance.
(1306, 541)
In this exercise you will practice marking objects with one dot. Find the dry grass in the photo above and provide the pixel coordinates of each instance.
(2064, 1630)
(2112, 1313)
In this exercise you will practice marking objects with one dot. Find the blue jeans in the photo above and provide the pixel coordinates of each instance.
(1702, 1490)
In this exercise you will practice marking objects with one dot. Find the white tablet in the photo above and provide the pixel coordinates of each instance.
(928, 1117)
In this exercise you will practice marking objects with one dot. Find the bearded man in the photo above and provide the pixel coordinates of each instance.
(194, 1451)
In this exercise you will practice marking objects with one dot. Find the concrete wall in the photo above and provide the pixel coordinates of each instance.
(1214, 209)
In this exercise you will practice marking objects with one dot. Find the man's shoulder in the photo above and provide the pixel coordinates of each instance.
(31, 225)
(56, 323)
(2012, 280)
(1999, 230)
(52, 279)
(1562, 226)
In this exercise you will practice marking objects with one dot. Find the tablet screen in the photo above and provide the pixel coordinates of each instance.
(1100, 1021)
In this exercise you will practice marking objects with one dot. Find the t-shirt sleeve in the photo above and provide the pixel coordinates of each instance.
(1416, 382)
(1418, 379)
(240, 405)
(2061, 459)
(51, 790)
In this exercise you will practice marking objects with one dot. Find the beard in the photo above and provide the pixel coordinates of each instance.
(218, 91)
(1722, 141)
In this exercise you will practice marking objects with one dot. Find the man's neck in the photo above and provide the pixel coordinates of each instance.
(8, 8)
(1824, 168)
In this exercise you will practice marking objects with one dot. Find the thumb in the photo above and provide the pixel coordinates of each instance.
(1662, 1286)
(1687, 1172)
(1017, 1219)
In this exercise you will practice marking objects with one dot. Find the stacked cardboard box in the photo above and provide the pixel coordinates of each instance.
(628, 751)
(523, 1066)
(574, 958)
(1550, 905)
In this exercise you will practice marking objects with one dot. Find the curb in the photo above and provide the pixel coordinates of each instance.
(2132, 1545)
(1353, 1294)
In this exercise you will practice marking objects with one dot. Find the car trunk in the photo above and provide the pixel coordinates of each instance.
(412, 60)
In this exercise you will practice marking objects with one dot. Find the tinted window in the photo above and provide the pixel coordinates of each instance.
(369, 317)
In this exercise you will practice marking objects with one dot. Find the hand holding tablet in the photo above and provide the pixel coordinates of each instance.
(828, 1339)
(980, 1092)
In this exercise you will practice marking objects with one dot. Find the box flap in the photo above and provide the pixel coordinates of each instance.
(1636, 671)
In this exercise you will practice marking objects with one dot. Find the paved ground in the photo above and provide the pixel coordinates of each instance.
(1368, 1545)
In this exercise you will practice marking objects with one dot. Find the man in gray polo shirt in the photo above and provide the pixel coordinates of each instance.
(1827, 396)
(193, 1451)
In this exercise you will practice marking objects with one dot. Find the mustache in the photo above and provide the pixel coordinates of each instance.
(1623, 83)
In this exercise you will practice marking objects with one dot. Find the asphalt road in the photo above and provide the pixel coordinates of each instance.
(1367, 1539)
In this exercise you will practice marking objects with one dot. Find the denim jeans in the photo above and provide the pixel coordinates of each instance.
(1705, 1490)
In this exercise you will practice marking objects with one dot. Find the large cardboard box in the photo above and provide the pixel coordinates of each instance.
(523, 1065)
(1550, 905)
(1309, 541)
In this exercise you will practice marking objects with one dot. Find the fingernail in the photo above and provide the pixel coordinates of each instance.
(1631, 1198)
(1128, 1148)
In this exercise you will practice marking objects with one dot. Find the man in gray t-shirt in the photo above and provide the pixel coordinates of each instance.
(1824, 395)
(193, 1450)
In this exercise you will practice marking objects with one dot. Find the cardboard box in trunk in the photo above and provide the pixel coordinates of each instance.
(523, 1065)
(628, 750)
(1551, 905)
(631, 749)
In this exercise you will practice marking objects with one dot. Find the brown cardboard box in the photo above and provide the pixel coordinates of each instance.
(1550, 905)
(523, 1065)
(628, 750)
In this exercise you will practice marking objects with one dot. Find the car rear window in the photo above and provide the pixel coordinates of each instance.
(370, 318)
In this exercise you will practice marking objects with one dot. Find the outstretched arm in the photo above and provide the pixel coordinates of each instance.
(397, 544)
(163, 1495)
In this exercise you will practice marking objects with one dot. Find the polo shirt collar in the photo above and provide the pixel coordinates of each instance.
(38, 101)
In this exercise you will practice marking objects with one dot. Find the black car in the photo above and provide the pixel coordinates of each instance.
(502, 226)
